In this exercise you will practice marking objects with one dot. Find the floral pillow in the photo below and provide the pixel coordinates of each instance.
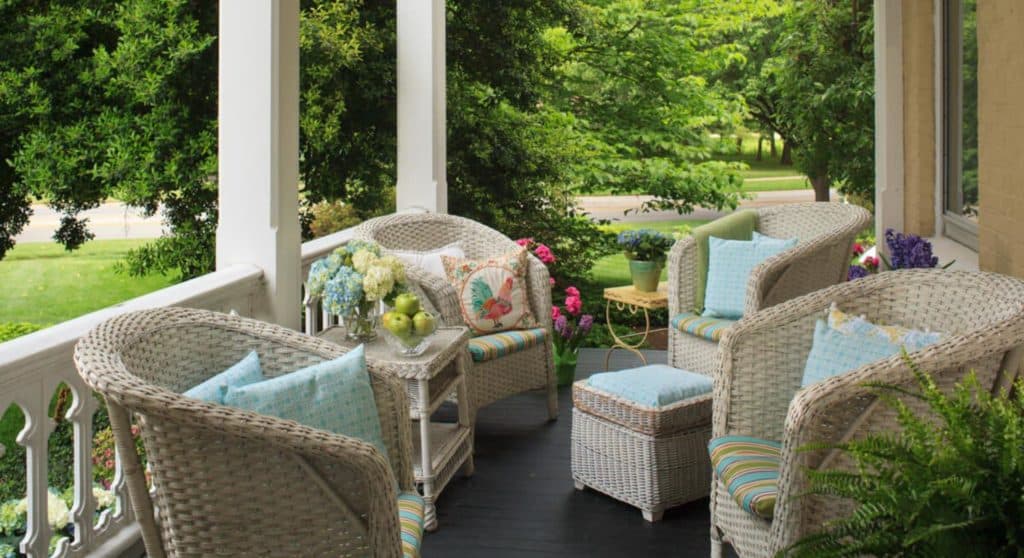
(492, 292)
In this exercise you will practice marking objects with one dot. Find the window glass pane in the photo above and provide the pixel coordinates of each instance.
(961, 115)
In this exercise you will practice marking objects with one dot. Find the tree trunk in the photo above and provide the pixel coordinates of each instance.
(760, 141)
(821, 191)
(739, 145)
(787, 154)
(772, 152)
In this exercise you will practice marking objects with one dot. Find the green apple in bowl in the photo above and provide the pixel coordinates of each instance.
(408, 304)
(423, 323)
(397, 323)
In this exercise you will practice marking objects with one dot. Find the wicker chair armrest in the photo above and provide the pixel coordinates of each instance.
(682, 268)
(439, 293)
(539, 291)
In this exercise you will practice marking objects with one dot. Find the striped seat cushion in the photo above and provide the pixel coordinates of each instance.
(749, 469)
(702, 326)
(490, 347)
(410, 519)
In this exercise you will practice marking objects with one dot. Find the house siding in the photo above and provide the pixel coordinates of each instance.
(919, 137)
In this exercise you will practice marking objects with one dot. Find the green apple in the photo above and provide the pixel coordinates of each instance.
(408, 304)
(386, 319)
(399, 324)
(423, 323)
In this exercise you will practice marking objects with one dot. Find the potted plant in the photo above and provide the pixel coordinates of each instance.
(352, 281)
(571, 328)
(948, 484)
(646, 251)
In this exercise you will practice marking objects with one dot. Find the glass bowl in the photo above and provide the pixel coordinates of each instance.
(409, 346)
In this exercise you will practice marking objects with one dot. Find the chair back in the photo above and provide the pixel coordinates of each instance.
(422, 232)
(225, 480)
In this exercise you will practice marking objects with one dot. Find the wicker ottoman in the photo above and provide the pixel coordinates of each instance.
(652, 457)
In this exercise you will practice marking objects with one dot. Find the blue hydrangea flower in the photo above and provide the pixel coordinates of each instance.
(343, 291)
(319, 274)
(354, 246)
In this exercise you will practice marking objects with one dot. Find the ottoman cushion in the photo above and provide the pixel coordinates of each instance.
(656, 385)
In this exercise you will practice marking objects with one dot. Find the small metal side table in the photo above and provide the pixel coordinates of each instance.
(628, 298)
(429, 379)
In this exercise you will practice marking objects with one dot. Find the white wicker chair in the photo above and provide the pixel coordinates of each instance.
(757, 392)
(826, 232)
(233, 482)
(492, 380)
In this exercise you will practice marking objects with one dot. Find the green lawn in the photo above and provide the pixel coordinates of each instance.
(776, 185)
(613, 271)
(43, 284)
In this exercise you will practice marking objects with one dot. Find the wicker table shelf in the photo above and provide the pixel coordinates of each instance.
(628, 298)
(430, 379)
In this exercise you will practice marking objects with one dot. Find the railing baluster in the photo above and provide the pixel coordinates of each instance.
(34, 438)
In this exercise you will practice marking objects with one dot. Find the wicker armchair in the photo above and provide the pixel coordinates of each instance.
(493, 380)
(229, 481)
(757, 393)
(826, 232)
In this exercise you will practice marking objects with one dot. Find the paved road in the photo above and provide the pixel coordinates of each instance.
(117, 221)
(615, 207)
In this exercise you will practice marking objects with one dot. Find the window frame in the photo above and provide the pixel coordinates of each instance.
(955, 225)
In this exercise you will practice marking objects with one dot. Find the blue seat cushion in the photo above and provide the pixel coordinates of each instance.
(845, 342)
(334, 395)
(729, 265)
(497, 345)
(749, 469)
(244, 372)
(655, 385)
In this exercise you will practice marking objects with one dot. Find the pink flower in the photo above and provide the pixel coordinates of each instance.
(871, 262)
(572, 291)
(545, 254)
(109, 464)
(524, 242)
(555, 312)
(857, 249)
(551, 281)
(573, 305)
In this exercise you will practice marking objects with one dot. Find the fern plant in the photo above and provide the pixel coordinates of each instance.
(947, 485)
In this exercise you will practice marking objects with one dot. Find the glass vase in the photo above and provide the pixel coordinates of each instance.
(361, 323)
(565, 366)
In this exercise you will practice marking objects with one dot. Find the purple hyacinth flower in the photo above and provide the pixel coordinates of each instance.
(857, 272)
(562, 327)
(586, 322)
(909, 251)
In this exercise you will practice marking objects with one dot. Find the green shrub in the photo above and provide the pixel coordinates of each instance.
(9, 330)
(950, 484)
(331, 216)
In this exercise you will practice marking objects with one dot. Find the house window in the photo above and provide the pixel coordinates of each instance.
(960, 136)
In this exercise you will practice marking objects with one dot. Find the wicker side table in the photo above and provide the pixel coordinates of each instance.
(429, 379)
(653, 458)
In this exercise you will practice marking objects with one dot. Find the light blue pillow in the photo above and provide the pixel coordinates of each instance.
(244, 372)
(836, 350)
(334, 396)
(729, 266)
(655, 385)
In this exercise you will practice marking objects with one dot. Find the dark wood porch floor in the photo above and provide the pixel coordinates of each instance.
(521, 501)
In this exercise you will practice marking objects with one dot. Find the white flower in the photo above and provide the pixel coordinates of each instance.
(56, 511)
(21, 507)
(377, 283)
(396, 266)
(363, 260)
(104, 498)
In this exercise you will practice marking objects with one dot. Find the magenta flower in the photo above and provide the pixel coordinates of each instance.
(572, 291)
(524, 242)
(545, 254)
(551, 281)
(574, 305)
(555, 312)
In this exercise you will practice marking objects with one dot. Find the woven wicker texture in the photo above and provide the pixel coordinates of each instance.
(826, 232)
(653, 421)
(757, 393)
(232, 482)
(496, 379)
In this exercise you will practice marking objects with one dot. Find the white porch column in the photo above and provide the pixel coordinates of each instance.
(422, 156)
(258, 149)
(888, 117)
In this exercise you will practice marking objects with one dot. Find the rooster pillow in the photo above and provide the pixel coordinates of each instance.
(491, 292)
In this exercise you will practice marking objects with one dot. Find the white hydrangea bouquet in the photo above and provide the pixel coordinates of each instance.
(352, 282)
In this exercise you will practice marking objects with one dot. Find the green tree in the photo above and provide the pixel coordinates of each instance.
(826, 82)
(635, 76)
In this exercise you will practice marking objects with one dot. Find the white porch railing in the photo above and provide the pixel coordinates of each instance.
(33, 367)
